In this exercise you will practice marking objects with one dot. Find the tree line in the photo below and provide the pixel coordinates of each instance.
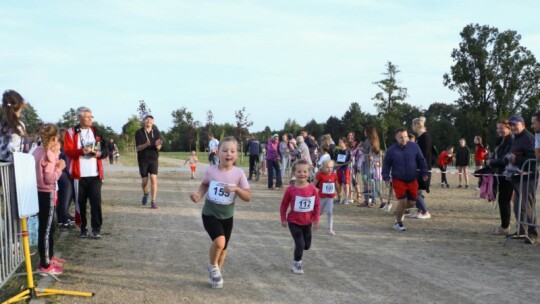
(494, 75)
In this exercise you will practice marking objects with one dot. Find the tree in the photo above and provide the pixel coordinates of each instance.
(68, 119)
(387, 100)
(183, 123)
(129, 128)
(334, 127)
(242, 125)
(143, 110)
(494, 75)
(31, 119)
(291, 127)
(354, 119)
(391, 92)
(314, 128)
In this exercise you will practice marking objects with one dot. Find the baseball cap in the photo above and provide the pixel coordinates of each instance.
(516, 118)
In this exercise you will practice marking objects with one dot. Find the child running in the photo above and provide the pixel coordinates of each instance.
(48, 170)
(193, 160)
(221, 184)
(326, 181)
(303, 200)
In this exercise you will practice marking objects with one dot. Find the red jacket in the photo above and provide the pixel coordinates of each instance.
(480, 153)
(71, 139)
(445, 159)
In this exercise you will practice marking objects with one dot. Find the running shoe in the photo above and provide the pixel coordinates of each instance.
(84, 234)
(423, 216)
(442, 185)
(331, 232)
(413, 215)
(216, 279)
(50, 270)
(297, 268)
(58, 261)
(398, 226)
(383, 205)
(144, 199)
(460, 186)
(96, 235)
(154, 205)
(500, 231)
(388, 208)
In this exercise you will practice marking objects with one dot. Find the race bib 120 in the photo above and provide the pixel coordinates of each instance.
(304, 204)
(217, 194)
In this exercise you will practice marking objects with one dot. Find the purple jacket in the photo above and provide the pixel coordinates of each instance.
(272, 150)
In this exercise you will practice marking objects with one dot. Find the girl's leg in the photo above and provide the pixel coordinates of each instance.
(459, 174)
(307, 233)
(299, 242)
(465, 176)
(216, 251)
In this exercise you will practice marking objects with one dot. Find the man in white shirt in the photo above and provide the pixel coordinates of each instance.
(212, 148)
(85, 149)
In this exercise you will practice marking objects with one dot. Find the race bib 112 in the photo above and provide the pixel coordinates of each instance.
(304, 204)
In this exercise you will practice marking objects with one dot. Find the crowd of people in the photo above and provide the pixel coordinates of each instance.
(320, 174)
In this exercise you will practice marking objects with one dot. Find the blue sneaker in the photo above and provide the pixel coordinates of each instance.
(144, 199)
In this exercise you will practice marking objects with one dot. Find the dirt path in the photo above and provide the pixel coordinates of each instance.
(160, 256)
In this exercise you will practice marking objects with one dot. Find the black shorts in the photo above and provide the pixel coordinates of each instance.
(148, 167)
(216, 227)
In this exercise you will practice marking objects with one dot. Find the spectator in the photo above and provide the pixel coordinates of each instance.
(522, 149)
(462, 162)
(253, 150)
(504, 187)
(83, 146)
(272, 161)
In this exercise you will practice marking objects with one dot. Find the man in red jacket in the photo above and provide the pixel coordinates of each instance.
(84, 148)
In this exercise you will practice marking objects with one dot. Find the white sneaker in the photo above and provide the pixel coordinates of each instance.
(216, 279)
(331, 232)
(388, 207)
(423, 216)
(297, 267)
(399, 227)
(413, 215)
(345, 201)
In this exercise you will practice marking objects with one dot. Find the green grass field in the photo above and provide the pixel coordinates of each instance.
(130, 159)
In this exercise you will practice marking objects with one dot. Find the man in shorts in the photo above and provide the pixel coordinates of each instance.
(148, 142)
(405, 161)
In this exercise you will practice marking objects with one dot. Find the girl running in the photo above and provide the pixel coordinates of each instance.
(303, 200)
(326, 181)
(48, 171)
(193, 160)
(221, 184)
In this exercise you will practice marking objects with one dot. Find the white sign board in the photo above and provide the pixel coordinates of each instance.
(26, 184)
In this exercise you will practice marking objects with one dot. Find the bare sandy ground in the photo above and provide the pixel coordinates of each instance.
(160, 256)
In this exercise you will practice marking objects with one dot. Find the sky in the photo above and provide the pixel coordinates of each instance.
(280, 60)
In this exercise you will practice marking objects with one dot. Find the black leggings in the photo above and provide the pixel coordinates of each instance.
(65, 196)
(505, 201)
(216, 228)
(443, 175)
(302, 239)
(46, 228)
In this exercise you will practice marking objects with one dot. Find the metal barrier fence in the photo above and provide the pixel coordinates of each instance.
(526, 208)
(11, 253)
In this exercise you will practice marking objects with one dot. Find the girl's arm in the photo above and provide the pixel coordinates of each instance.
(283, 209)
(196, 196)
(52, 170)
(243, 194)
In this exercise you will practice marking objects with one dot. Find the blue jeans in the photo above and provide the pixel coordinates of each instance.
(273, 168)
(420, 203)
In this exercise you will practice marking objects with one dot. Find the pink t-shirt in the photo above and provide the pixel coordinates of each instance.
(218, 203)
